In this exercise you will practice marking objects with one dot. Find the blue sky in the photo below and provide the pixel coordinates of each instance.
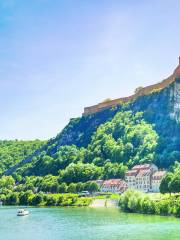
(56, 57)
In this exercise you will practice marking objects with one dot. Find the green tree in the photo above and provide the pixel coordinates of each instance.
(24, 197)
(63, 188)
(174, 184)
(37, 199)
(92, 187)
(13, 199)
(165, 183)
(71, 188)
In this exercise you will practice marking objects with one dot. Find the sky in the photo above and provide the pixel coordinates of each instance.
(57, 57)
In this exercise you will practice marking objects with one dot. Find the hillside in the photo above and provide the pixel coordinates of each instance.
(14, 151)
(105, 142)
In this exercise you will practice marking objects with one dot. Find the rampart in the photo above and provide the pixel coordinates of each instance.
(141, 92)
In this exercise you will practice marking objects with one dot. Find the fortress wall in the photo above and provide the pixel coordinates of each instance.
(144, 91)
(105, 105)
(149, 89)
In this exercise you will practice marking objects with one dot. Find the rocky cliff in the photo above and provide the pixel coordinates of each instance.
(160, 105)
(172, 81)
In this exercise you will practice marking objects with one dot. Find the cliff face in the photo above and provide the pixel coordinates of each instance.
(160, 104)
(172, 80)
(161, 108)
(175, 100)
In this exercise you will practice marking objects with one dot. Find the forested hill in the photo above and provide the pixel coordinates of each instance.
(13, 151)
(104, 144)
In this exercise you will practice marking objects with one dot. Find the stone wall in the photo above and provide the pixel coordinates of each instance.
(143, 91)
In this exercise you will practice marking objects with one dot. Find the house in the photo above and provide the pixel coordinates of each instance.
(143, 180)
(156, 180)
(140, 177)
(114, 185)
(130, 178)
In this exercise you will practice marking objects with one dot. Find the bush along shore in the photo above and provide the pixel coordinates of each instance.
(136, 202)
(41, 199)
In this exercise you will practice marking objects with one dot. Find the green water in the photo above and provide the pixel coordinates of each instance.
(85, 224)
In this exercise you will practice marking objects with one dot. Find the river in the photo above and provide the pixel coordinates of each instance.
(85, 224)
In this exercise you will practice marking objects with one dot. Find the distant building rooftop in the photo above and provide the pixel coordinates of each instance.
(132, 173)
(158, 175)
(141, 167)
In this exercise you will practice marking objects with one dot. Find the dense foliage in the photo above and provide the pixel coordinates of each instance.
(44, 191)
(171, 182)
(136, 202)
(127, 139)
(98, 146)
(41, 199)
(119, 135)
(121, 142)
(12, 152)
(47, 184)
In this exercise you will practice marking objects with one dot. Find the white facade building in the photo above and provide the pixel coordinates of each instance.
(156, 180)
(140, 177)
(143, 180)
(130, 178)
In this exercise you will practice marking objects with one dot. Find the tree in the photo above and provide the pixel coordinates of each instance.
(37, 199)
(174, 184)
(80, 187)
(24, 197)
(71, 188)
(63, 188)
(92, 187)
(50, 201)
(14, 151)
(13, 199)
(80, 172)
(114, 170)
(7, 182)
(165, 183)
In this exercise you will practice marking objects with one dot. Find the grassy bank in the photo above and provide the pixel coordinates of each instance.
(58, 199)
(42, 199)
(159, 204)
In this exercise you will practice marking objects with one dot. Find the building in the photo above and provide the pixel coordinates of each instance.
(156, 180)
(114, 185)
(143, 180)
(140, 177)
(130, 178)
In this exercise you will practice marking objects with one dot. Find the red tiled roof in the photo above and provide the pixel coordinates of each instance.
(143, 173)
(114, 182)
(132, 173)
(141, 167)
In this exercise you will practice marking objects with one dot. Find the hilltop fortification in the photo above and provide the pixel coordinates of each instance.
(141, 92)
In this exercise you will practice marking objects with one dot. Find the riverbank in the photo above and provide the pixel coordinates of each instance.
(136, 202)
(131, 201)
(59, 199)
(108, 203)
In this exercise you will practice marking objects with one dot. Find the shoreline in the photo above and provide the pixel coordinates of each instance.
(97, 207)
